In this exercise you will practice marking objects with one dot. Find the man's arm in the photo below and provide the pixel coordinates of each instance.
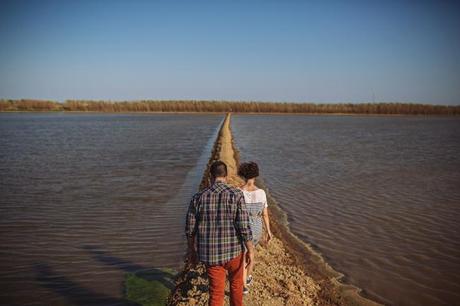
(250, 253)
(191, 225)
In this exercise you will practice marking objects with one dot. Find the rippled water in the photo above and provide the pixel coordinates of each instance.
(378, 197)
(86, 198)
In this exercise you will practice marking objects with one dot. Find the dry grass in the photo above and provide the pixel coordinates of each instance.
(228, 106)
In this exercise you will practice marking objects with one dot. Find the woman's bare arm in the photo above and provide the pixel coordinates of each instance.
(267, 223)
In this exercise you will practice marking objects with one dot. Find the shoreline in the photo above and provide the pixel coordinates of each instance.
(288, 271)
(332, 291)
(237, 113)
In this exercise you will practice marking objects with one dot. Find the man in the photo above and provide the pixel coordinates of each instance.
(217, 226)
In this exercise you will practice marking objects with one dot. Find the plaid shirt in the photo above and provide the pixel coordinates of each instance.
(217, 216)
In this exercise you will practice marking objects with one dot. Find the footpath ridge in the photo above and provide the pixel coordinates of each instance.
(285, 272)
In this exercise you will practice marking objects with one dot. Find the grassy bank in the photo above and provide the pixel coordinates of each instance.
(149, 288)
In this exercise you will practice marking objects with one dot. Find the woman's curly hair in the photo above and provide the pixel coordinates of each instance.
(248, 170)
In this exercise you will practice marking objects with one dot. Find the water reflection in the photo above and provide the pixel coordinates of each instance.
(117, 184)
(377, 196)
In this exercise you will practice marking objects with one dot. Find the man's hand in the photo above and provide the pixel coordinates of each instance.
(250, 253)
(192, 256)
(249, 258)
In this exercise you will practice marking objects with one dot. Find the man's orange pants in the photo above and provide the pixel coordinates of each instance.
(217, 275)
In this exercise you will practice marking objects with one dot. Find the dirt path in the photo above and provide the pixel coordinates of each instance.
(284, 274)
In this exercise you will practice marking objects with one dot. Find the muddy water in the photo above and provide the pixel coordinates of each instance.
(378, 197)
(86, 198)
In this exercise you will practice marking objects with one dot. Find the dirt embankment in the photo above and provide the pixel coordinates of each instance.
(286, 270)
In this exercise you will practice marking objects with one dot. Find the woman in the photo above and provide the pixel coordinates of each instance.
(256, 203)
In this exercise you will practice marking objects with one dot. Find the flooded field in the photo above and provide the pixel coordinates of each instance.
(86, 198)
(378, 197)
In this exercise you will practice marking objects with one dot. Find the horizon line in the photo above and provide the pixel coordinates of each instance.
(220, 100)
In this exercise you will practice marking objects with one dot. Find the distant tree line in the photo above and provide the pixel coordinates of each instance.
(227, 106)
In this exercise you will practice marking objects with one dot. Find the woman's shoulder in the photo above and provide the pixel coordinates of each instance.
(262, 196)
(260, 191)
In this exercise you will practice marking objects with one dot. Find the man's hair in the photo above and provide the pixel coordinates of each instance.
(248, 170)
(218, 169)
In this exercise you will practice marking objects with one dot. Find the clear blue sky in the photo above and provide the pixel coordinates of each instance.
(300, 51)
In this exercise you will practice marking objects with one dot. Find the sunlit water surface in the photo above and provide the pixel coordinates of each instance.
(378, 197)
(86, 198)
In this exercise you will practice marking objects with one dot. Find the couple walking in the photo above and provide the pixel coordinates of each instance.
(223, 225)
